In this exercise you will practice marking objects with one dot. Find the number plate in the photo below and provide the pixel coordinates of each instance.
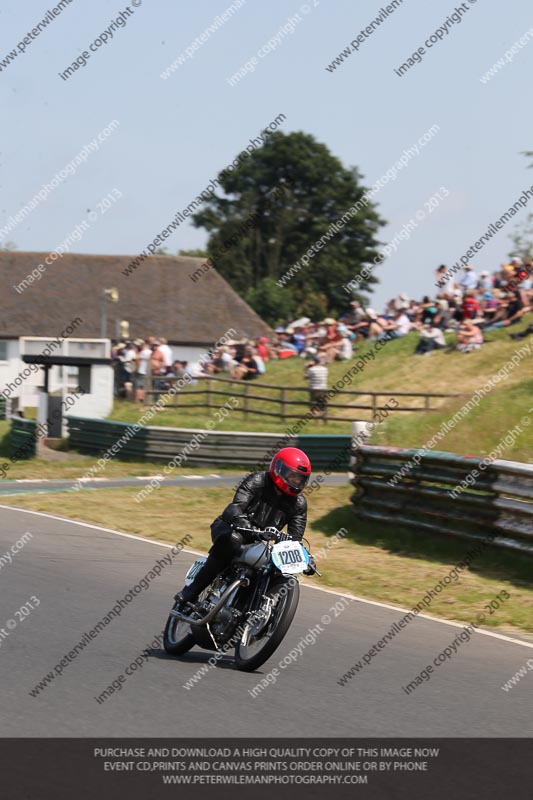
(290, 557)
(193, 570)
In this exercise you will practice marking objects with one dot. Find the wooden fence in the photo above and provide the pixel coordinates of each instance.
(285, 402)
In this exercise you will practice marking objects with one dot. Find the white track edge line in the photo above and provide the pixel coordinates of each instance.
(500, 636)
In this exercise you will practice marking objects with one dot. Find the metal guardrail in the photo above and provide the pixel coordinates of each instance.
(22, 438)
(155, 443)
(500, 500)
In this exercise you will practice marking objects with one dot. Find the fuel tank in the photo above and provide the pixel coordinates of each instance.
(254, 555)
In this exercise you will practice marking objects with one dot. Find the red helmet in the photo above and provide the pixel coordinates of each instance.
(290, 470)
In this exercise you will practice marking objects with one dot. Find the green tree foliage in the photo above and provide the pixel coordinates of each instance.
(522, 239)
(198, 253)
(274, 304)
(276, 204)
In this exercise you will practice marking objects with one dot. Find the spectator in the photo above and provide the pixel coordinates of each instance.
(431, 338)
(158, 361)
(485, 281)
(262, 349)
(130, 368)
(166, 353)
(144, 357)
(248, 368)
(445, 281)
(468, 279)
(471, 307)
(469, 337)
(179, 369)
(317, 374)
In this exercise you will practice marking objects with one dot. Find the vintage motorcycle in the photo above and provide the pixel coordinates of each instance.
(249, 606)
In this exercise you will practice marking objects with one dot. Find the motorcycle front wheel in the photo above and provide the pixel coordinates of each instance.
(177, 637)
(262, 640)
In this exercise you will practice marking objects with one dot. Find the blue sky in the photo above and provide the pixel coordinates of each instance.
(176, 134)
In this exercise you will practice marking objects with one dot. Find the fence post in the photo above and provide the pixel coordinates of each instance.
(208, 392)
(246, 387)
(149, 383)
(283, 403)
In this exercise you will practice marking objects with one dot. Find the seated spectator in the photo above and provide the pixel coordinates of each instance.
(179, 369)
(469, 337)
(398, 326)
(345, 349)
(262, 349)
(247, 368)
(431, 338)
(369, 327)
(471, 307)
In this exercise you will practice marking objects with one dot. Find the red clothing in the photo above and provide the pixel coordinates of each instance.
(471, 308)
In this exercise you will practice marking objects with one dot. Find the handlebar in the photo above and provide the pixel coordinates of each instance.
(265, 535)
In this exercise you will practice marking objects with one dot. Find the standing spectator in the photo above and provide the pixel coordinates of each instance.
(317, 374)
(166, 352)
(144, 357)
(130, 368)
(158, 366)
(485, 281)
(468, 279)
(444, 280)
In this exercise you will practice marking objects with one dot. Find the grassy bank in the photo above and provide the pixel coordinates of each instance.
(396, 369)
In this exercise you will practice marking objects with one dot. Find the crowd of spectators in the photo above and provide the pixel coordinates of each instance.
(466, 304)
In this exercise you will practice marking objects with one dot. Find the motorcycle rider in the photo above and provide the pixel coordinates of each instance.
(272, 497)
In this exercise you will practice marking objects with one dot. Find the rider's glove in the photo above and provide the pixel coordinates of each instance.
(311, 567)
(241, 522)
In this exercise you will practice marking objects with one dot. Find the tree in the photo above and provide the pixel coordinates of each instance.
(522, 239)
(198, 253)
(272, 303)
(280, 200)
(8, 247)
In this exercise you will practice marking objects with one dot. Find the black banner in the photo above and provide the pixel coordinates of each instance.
(33, 769)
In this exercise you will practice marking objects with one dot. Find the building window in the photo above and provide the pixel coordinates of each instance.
(3, 351)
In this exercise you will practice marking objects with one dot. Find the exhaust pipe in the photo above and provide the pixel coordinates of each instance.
(214, 611)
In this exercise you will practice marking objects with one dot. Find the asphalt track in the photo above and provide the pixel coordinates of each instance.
(36, 485)
(78, 571)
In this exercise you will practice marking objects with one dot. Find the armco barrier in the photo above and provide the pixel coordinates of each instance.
(499, 501)
(155, 443)
(22, 438)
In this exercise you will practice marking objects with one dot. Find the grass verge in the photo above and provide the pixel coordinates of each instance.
(395, 566)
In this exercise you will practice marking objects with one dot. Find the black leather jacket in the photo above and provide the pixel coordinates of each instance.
(257, 500)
